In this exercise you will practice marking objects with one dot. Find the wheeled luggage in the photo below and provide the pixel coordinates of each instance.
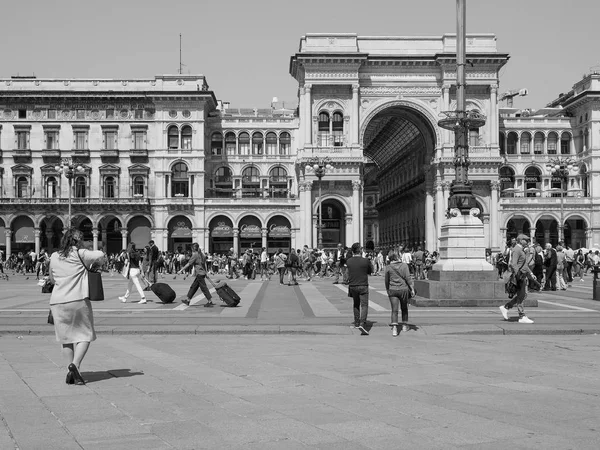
(225, 292)
(164, 292)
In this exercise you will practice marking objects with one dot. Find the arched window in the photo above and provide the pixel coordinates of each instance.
(22, 187)
(271, 141)
(173, 137)
(250, 182)
(525, 143)
(323, 126)
(565, 144)
(216, 143)
(80, 187)
(506, 176)
(278, 182)
(138, 186)
(538, 143)
(186, 138)
(230, 143)
(473, 137)
(109, 187)
(552, 143)
(511, 143)
(501, 138)
(533, 182)
(223, 182)
(51, 187)
(285, 143)
(181, 182)
(257, 143)
(244, 144)
(337, 129)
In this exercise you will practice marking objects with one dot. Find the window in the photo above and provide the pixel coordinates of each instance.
(186, 138)
(502, 143)
(538, 143)
(511, 144)
(244, 144)
(51, 114)
(138, 186)
(250, 182)
(51, 138)
(110, 114)
(285, 143)
(278, 182)
(586, 139)
(533, 182)
(80, 114)
(223, 182)
(323, 126)
(257, 144)
(180, 184)
(584, 181)
(139, 140)
(109, 138)
(506, 176)
(109, 187)
(80, 187)
(22, 140)
(473, 137)
(51, 187)
(525, 143)
(216, 143)
(552, 143)
(230, 143)
(173, 138)
(22, 114)
(565, 144)
(271, 140)
(22, 187)
(138, 114)
(80, 138)
(337, 129)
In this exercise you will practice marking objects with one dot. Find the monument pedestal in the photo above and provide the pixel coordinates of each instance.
(462, 276)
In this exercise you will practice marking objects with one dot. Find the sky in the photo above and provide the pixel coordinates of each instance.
(243, 47)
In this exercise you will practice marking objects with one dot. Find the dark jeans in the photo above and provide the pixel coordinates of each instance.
(281, 271)
(360, 295)
(292, 275)
(550, 278)
(199, 282)
(518, 299)
(569, 271)
(399, 298)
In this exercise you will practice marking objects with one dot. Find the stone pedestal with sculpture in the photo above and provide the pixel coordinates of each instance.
(462, 276)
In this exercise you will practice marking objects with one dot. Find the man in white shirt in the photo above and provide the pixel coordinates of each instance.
(264, 261)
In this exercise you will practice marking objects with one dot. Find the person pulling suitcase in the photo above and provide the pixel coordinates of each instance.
(198, 261)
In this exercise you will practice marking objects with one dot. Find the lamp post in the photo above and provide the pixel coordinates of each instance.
(68, 168)
(319, 166)
(561, 168)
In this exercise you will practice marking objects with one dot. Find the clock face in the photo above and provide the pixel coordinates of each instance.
(172, 114)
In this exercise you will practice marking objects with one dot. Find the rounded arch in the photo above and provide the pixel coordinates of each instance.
(578, 216)
(343, 200)
(329, 106)
(191, 218)
(127, 219)
(250, 218)
(179, 161)
(251, 166)
(280, 213)
(517, 216)
(546, 215)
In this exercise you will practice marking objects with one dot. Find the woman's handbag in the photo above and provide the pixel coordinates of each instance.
(47, 287)
(125, 271)
(50, 318)
(96, 290)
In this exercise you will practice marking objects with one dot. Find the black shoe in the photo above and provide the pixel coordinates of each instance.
(185, 301)
(78, 379)
(363, 330)
(336, 282)
(209, 304)
(70, 379)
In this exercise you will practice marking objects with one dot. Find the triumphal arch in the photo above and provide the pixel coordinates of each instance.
(371, 105)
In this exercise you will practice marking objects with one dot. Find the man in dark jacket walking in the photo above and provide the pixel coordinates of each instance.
(359, 269)
(518, 266)
(550, 261)
(198, 261)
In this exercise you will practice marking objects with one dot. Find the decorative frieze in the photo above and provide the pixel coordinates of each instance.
(408, 90)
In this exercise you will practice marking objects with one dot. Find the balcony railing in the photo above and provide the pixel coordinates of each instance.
(21, 155)
(65, 201)
(250, 193)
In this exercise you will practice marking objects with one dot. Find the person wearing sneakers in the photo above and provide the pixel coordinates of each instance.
(134, 274)
(518, 265)
(359, 269)
(198, 261)
(399, 287)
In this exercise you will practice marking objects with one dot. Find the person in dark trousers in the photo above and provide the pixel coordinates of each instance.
(339, 262)
(153, 261)
(198, 261)
(399, 287)
(550, 261)
(359, 269)
(518, 266)
(293, 264)
(280, 260)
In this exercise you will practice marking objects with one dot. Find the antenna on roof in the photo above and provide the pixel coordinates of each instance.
(180, 64)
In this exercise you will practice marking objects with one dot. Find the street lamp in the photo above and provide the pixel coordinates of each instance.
(68, 168)
(319, 166)
(561, 168)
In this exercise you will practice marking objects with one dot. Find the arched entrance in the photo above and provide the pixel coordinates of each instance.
(400, 141)
(23, 235)
(279, 234)
(51, 231)
(250, 233)
(84, 224)
(334, 223)
(139, 231)
(180, 234)
(221, 235)
(3, 235)
(575, 232)
(517, 225)
(110, 237)
(546, 230)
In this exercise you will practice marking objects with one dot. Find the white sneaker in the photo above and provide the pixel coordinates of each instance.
(394, 329)
(123, 299)
(142, 301)
(504, 312)
(525, 319)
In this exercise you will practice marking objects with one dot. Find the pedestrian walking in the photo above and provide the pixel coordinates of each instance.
(550, 261)
(399, 287)
(133, 274)
(518, 266)
(280, 261)
(561, 263)
(70, 303)
(419, 258)
(198, 262)
(264, 265)
(359, 269)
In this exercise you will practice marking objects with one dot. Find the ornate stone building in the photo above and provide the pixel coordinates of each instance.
(163, 159)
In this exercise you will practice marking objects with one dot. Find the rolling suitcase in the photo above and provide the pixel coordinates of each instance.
(164, 292)
(227, 294)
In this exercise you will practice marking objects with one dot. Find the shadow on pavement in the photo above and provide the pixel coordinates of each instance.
(92, 377)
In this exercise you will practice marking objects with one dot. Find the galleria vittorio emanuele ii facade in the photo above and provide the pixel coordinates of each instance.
(164, 159)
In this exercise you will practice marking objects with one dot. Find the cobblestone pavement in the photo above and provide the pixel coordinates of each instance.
(304, 392)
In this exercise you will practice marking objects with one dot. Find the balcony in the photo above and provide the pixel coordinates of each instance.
(22, 155)
(109, 155)
(335, 153)
(251, 195)
(138, 155)
(51, 155)
(80, 155)
(546, 201)
(60, 205)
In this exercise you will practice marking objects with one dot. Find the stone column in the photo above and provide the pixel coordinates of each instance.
(355, 115)
(293, 238)
(429, 221)
(494, 225)
(502, 237)
(94, 238)
(264, 232)
(494, 129)
(36, 233)
(123, 239)
(356, 190)
(308, 218)
(236, 240)
(207, 240)
(8, 235)
(440, 209)
(349, 220)
(308, 114)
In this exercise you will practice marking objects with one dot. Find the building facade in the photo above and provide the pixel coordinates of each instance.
(163, 159)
